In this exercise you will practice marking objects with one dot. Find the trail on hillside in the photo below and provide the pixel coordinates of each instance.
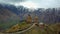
(21, 31)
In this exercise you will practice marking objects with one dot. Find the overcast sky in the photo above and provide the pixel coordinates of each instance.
(39, 3)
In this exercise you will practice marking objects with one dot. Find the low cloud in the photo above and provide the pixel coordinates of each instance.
(11, 1)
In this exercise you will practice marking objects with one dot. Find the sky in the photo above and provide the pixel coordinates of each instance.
(34, 3)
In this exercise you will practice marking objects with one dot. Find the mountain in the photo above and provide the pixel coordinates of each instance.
(12, 8)
(7, 18)
(50, 15)
(20, 10)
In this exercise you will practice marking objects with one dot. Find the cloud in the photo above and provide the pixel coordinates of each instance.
(48, 3)
(40, 3)
(11, 1)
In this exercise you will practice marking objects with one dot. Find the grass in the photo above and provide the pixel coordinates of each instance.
(51, 29)
(18, 27)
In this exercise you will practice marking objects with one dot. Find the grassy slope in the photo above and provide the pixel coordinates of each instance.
(19, 26)
(37, 30)
(51, 29)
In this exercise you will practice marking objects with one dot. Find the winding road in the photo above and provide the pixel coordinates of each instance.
(21, 31)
